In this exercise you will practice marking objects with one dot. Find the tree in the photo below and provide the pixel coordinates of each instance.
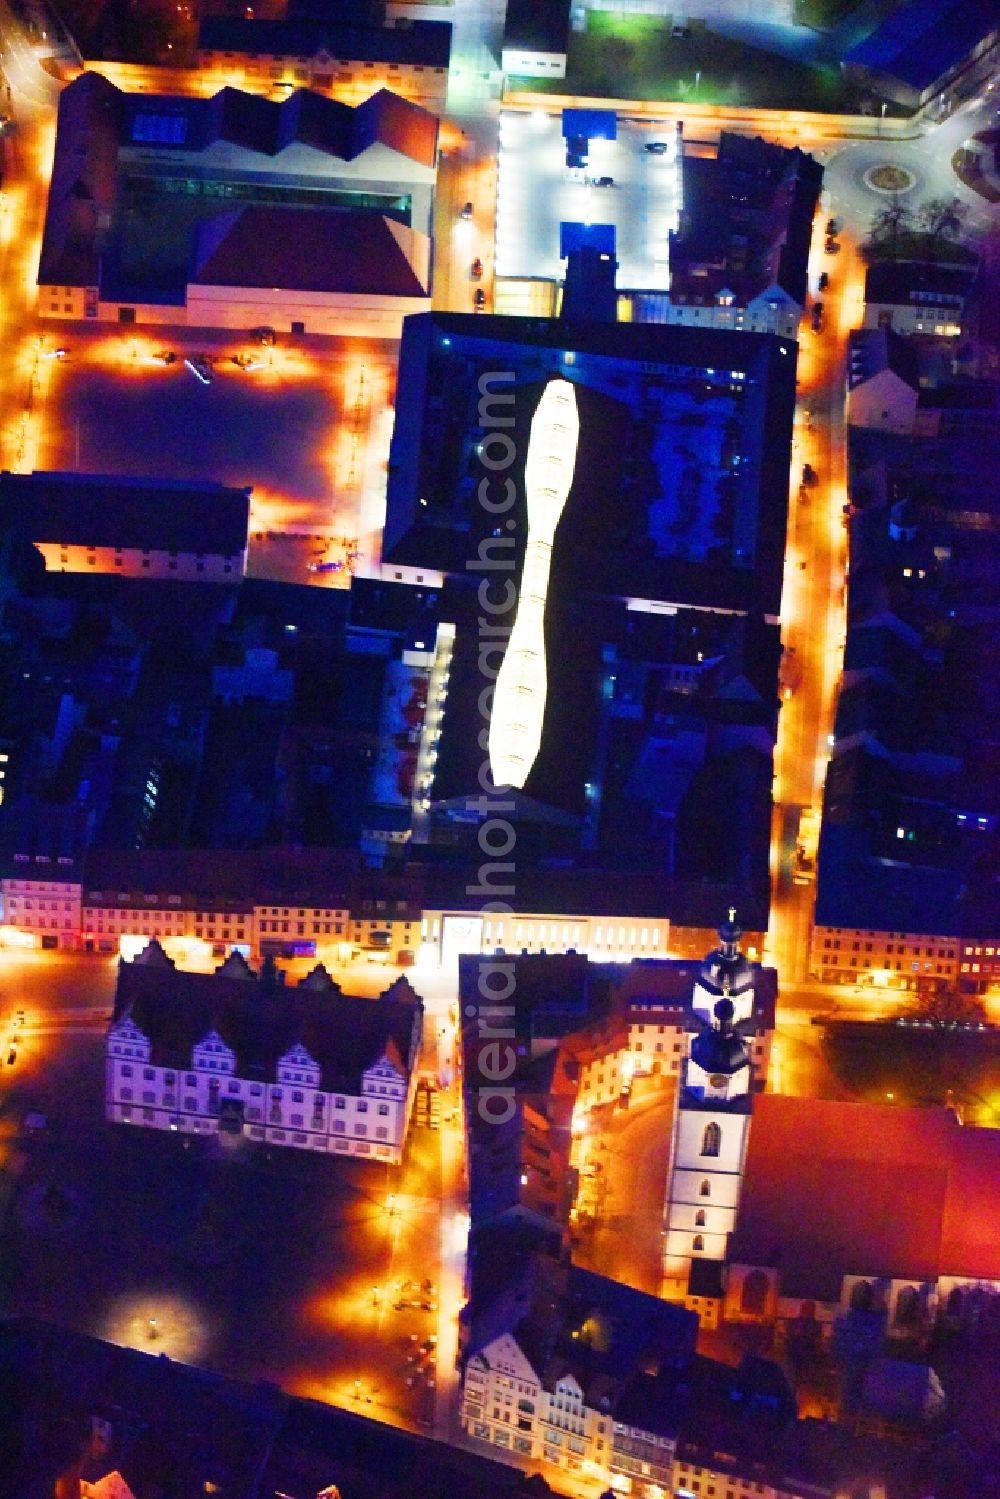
(889, 226)
(941, 220)
(946, 1009)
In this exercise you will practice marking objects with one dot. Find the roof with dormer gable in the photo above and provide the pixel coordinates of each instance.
(261, 1020)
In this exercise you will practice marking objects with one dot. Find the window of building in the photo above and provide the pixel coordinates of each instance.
(705, 1190)
(699, 1243)
(699, 1218)
(711, 1140)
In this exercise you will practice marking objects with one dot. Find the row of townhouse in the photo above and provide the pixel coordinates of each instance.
(316, 1069)
(263, 913)
(71, 914)
(892, 960)
(348, 62)
(643, 1441)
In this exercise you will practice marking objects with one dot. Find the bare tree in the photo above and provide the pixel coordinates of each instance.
(889, 225)
(941, 219)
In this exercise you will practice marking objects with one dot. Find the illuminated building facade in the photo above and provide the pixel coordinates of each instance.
(578, 1375)
(317, 1070)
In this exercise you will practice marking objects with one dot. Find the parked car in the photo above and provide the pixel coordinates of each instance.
(265, 336)
(476, 270)
(656, 148)
(604, 182)
(479, 301)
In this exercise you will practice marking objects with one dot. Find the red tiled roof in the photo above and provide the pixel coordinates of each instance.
(833, 1189)
(306, 249)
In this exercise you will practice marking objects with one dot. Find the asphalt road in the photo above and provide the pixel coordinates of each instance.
(812, 610)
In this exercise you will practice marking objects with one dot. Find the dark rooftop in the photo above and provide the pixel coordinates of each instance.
(261, 1019)
(537, 25)
(921, 40)
(616, 535)
(308, 249)
(872, 350)
(423, 43)
(109, 510)
(904, 281)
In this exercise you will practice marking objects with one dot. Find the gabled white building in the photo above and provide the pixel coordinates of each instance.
(580, 1382)
(239, 1054)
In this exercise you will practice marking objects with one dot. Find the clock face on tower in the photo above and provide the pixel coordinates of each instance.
(718, 1080)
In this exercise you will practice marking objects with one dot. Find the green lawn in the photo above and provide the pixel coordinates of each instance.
(635, 57)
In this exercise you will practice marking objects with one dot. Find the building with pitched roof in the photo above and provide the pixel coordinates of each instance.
(917, 296)
(546, 1380)
(226, 211)
(236, 1052)
(720, 1072)
(883, 380)
(824, 1223)
(131, 528)
(350, 62)
(740, 253)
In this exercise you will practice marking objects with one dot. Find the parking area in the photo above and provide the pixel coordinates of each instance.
(537, 192)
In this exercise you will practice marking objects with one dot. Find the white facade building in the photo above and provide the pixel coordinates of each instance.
(320, 1070)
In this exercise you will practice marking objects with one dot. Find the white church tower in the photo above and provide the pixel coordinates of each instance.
(711, 1122)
